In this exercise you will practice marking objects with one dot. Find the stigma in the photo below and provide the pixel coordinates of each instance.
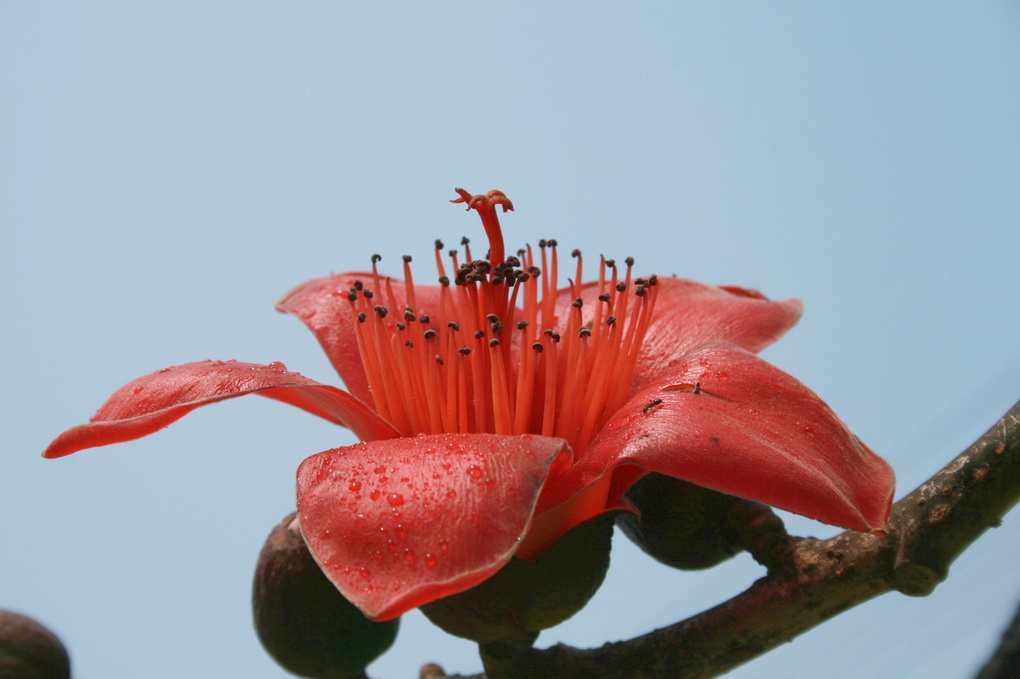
(504, 350)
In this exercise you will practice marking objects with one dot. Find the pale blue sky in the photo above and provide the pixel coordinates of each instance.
(167, 170)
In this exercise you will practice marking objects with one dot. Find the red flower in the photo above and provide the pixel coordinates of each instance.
(497, 411)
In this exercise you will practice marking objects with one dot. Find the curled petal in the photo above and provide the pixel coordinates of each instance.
(322, 305)
(154, 401)
(728, 421)
(398, 523)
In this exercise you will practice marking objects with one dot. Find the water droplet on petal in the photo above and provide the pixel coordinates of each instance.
(355, 486)
(137, 390)
(374, 495)
(395, 499)
(430, 561)
(474, 471)
(380, 469)
(276, 365)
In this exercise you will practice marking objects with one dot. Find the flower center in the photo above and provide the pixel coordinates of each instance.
(499, 349)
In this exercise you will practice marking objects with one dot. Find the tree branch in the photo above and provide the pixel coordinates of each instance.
(810, 581)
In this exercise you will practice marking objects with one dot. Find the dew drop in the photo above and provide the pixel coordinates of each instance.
(430, 561)
(137, 390)
(474, 471)
(374, 495)
(409, 557)
(276, 365)
(365, 573)
(355, 486)
(380, 469)
(722, 377)
(395, 499)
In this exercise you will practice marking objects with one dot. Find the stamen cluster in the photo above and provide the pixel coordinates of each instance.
(502, 351)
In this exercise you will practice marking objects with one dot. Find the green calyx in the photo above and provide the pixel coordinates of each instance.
(525, 597)
(681, 524)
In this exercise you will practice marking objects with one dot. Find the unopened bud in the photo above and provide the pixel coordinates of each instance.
(302, 619)
(28, 650)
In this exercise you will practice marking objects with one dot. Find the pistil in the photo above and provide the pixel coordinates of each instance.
(493, 356)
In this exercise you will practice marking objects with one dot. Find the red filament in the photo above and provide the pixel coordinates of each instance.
(494, 356)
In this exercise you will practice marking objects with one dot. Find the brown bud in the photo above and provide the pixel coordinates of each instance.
(30, 651)
(302, 619)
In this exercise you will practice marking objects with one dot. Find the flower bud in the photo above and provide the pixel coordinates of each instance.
(30, 651)
(681, 524)
(303, 621)
(525, 597)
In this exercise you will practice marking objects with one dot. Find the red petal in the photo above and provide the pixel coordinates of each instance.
(154, 401)
(689, 314)
(752, 431)
(398, 523)
(323, 306)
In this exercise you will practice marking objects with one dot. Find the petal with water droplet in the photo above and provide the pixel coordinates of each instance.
(475, 526)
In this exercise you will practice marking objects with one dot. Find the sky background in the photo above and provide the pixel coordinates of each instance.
(167, 170)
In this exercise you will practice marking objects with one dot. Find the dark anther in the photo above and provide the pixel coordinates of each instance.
(497, 328)
(521, 325)
(577, 303)
(464, 351)
(439, 360)
(522, 277)
(401, 326)
(453, 325)
(585, 331)
(620, 287)
(409, 344)
(548, 332)
(494, 343)
(542, 243)
(439, 244)
(368, 293)
(513, 261)
(491, 318)
(381, 310)
(376, 258)
(464, 240)
(361, 317)
(697, 388)
(640, 292)
(444, 281)
(358, 285)
(640, 282)
(611, 320)
(430, 333)
(409, 315)
(497, 280)
(424, 319)
(611, 263)
(604, 297)
(479, 334)
(629, 261)
(552, 242)
(352, 295)
(534, 271)
(407, 259)
(537, 346)
(575, 253)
